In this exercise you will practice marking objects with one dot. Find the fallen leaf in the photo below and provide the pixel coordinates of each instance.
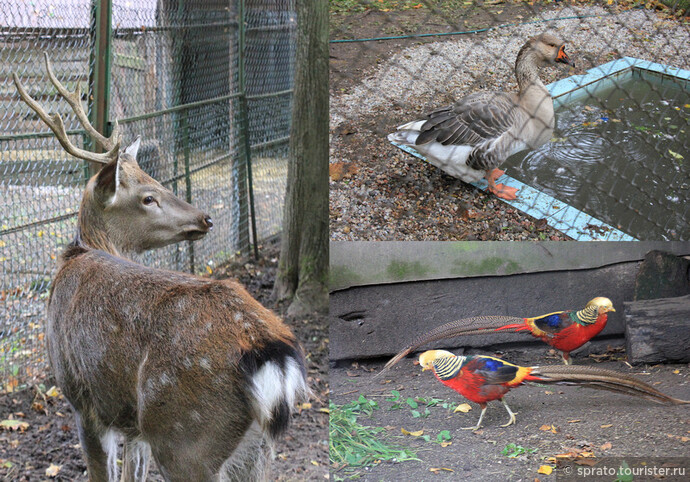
(52, 392)
(545, 427)
(304, 406)
(545, 469)
(606, 446)
(574, 421)
(676, 372)
(414, 434)
(446, 444)
(437, 470)
(607, 425)
(314, 462)
(463, 407)
(53, 470)
(678, 157)
(14, 425)
(340, 170)
(11, 384)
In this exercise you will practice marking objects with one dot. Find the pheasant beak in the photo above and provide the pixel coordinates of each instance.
(563, 58)
(425, 368)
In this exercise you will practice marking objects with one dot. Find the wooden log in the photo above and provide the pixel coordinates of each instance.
(662, 275)
(658, 330)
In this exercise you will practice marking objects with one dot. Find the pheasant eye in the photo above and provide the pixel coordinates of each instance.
(148, 200)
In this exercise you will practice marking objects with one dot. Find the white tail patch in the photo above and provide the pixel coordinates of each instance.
(412, 126)
(407, 138)
(407, 133)
(273, 385)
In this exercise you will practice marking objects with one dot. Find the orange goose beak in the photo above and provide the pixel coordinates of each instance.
(563, 58)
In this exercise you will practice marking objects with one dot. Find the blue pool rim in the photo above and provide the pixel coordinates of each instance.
(558, 214)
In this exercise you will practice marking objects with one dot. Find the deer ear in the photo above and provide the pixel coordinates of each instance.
(108, 181)
(133, 148)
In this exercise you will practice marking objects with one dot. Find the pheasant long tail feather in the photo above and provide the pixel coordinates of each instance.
(466, 326)
(601, 379)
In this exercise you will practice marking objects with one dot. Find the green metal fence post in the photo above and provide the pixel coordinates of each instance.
(245, 183)
(99, 61)
(187, 178)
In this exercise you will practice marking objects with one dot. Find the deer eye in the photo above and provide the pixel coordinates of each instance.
(148, 200)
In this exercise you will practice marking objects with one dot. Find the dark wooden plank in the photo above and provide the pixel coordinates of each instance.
(658, 330)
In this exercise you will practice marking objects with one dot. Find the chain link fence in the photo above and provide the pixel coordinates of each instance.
(206, 84)
(614, 168)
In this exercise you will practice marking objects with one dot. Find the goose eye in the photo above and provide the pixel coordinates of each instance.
(148, 200)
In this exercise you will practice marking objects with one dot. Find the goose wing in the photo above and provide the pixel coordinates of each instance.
(477, 119)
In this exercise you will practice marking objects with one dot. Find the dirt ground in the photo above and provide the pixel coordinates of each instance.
(555, 420)
(49, 441)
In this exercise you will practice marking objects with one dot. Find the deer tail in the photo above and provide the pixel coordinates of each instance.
(277, 379)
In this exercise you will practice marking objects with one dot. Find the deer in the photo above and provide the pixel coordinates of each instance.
(190, 371)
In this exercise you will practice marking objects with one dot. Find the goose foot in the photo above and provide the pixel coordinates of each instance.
(504, 192)
(494, 174)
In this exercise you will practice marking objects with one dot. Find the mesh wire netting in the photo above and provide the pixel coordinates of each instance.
(615, 167)
(178, 73)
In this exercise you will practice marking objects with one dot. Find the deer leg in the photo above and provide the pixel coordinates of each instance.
(135, 461)
(91, 438)
(251, 459)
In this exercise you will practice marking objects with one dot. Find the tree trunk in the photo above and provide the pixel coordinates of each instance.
(303, 267)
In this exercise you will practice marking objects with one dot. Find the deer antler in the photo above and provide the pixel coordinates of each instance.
(54, 121)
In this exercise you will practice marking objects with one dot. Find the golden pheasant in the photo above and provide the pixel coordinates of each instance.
(482, 379)
(564, 330)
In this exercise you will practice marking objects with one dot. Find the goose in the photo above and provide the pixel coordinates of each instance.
(472, 138)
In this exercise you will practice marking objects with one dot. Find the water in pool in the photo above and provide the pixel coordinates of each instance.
(621, 154)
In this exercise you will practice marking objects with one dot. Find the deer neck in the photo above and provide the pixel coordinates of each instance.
(92, 231)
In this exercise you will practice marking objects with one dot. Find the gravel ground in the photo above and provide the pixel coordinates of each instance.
(378, 192)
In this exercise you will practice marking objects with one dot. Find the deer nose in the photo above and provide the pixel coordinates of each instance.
(209, 222)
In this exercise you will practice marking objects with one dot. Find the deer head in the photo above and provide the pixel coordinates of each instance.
(123, 209)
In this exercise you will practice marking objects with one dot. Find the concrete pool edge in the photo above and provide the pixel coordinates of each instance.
(596, 74)
(559, 215)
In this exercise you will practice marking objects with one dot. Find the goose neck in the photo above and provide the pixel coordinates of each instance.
(527, 74)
